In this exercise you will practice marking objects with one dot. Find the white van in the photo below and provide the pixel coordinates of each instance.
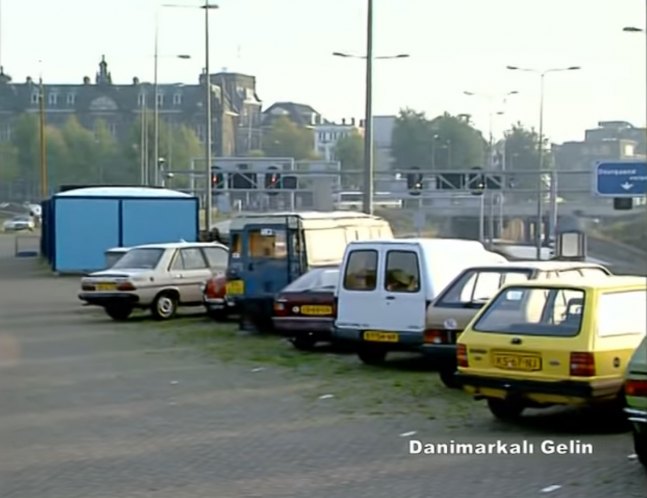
(386, 286)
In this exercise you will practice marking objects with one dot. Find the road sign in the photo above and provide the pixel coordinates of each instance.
(620, 179)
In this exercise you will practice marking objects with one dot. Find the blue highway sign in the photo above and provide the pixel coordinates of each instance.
(620, 179)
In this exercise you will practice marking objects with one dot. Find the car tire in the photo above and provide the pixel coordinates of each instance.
(640, 447)
(372, 355)
(119, 313)
(448, 377)
(164, 306)
(304, 342)
(505, 409)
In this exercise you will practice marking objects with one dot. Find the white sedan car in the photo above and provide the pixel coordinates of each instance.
(159, 277)
(19, 223)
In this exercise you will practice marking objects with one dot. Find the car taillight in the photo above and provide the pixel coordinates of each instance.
(636, 388)
(435, 337)
(280, 308)
(582, 365)
(126, 286)
(461, 356)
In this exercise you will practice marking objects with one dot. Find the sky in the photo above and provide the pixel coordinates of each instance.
(454, 46)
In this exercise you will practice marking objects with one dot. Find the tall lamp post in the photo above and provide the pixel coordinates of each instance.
(540, 152)
(368, 110)
(207, 90)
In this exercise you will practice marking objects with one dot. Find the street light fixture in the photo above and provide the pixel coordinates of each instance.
(207, 88)
(368, 112)
(632, 29)
(542, 75)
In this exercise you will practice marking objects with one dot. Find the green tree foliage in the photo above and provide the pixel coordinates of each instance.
(522, 155)
(445, 142)
(349, 151)
(77, 155)
(287, 139)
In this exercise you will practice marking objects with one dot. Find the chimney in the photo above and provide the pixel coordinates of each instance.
(135, 81)
(343, 121)
(352, 121)
(86, 80)
(361, 123)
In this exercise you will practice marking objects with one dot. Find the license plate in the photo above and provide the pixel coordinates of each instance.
(316, 310)
(235, 288)
(106, 287)
(374, 336)
(511, 361)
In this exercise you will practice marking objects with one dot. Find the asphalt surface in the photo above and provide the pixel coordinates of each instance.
(90, 408)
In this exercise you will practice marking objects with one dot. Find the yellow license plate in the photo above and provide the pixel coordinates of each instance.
(316, 310)
(235, 288)
(106, 287)
(511, 361)
(374, 336)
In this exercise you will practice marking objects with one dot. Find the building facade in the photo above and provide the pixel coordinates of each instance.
(236, 109)
(327, 135)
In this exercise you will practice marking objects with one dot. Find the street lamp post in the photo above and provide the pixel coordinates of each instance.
(368, 110)
(540, 152)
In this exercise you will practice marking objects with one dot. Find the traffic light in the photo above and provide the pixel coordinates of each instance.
(476, 182)
(289, 182)
(415, 183)
(217, 179)
(272, 179)
(623, 203)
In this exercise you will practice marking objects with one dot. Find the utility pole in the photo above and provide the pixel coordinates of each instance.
(368, 115)
(208, 137)
(156, 107)
(42, 144)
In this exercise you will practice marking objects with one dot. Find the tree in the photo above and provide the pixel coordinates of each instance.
(445, 142)
(180, 146)
(287, 139)
(25, 139)
(521, 155)
(8, 162)
(349, 151)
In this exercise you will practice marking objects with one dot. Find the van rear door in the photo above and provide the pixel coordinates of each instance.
(264, 262)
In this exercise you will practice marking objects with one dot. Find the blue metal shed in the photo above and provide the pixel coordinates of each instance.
(80, 225)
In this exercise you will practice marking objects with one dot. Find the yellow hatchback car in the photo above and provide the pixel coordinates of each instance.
(553, 342)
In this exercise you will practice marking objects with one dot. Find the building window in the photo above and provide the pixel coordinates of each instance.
(113, 129)
(177, 99)
(160, 99)
(52, 98)
(34, 97)
(71, 99)
(141, 99)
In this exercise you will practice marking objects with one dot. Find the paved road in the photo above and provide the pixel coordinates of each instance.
(92, 409)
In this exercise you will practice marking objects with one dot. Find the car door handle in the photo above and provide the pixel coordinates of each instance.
(179, 276)
(390, 298)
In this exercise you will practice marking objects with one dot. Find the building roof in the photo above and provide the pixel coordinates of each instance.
(123, 192)
(296, 112)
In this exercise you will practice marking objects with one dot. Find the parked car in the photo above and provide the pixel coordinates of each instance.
(159, 277)
(19, 223)
(636, 396)
(387, 285)
(304, 311)
(553, 342)
(214, 297)
(457, 304)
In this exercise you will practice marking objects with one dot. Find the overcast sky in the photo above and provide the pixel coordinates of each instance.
(455, 45)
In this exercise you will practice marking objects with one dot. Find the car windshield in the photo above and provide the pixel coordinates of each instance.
(22, 218)
(477, 286)
(535, 311)
(143, 258)
(314, 280)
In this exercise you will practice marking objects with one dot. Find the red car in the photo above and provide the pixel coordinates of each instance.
(214, 298)
(305, 310)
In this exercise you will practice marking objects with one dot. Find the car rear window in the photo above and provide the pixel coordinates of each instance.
(536, 311)
(318, 279)
(267, 243)
(361, 270)
(143, 258)
(476, 287)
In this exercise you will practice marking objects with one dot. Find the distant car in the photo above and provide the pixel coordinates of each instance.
(214, 297)
(159, 277)
(19, 223)
(305, 310)
(636, 395)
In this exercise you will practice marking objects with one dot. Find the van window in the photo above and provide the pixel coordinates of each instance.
(621, 313)
(480, 285)
(361, 270)
(264, 243)
(236, 245)
(534, 311)
(402, 272)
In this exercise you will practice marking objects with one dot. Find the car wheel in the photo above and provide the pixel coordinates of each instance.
(640, 446)
(119, 313)
(164, 306)
(504, 409)
(305, 342)
(448, 377)
(372, 355)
